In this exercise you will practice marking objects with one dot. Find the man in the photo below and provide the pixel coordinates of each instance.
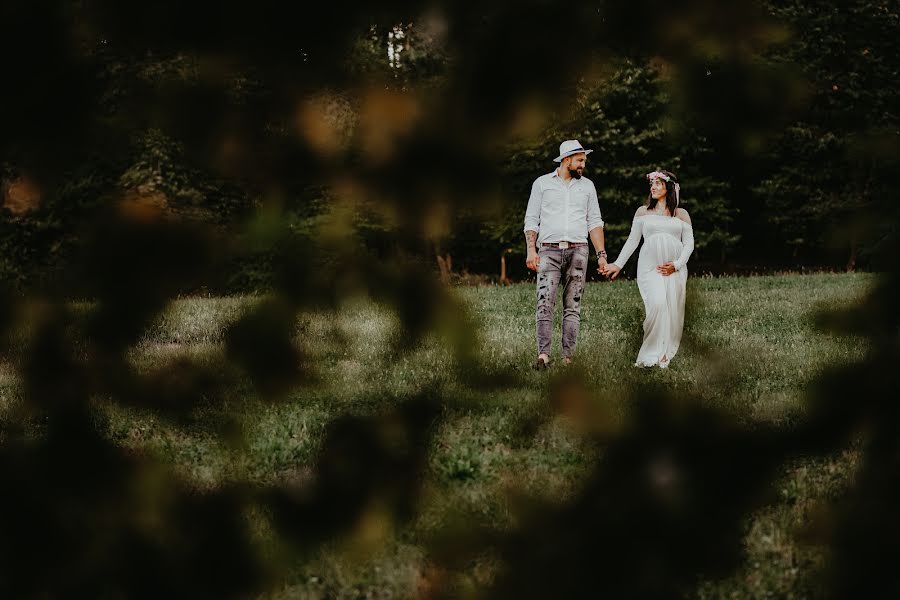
(562, 212)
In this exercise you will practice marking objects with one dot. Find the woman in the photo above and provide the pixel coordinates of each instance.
(662, 272)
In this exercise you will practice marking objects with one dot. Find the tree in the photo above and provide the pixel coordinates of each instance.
(624, 119)
(826, 176)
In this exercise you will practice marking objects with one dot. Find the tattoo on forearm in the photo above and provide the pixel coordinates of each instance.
(530, 239)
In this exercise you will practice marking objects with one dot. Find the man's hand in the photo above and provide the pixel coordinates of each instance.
(666, 268)
(612, 271)
(601, 265)
(533, 260)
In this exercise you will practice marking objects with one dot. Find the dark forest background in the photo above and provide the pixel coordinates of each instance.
(780, 118)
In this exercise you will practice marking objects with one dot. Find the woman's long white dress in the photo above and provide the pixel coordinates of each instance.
(665, 239)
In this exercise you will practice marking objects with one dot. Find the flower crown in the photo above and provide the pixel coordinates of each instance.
(664, 177)
(658, 175)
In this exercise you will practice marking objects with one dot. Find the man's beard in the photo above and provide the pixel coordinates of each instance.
(576, 173)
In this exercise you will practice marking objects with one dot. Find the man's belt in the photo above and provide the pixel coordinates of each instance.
(564, 245)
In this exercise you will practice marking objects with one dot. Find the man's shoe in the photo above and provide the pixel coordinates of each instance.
(540, 364)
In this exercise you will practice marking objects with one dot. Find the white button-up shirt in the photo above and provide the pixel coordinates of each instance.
(561, 212)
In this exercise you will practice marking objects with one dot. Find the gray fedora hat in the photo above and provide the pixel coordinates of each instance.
(568, 148)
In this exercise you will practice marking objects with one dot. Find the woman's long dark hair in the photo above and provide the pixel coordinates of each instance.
(671, 197)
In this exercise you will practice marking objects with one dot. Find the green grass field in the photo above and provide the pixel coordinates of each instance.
(750, 348)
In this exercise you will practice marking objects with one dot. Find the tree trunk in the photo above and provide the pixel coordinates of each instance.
(445, 264)
(851, 261)
(503, 278)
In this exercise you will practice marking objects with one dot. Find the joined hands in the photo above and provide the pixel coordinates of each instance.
(609, 270)
(612, 271)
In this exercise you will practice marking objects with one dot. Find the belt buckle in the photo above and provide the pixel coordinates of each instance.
(563, 245)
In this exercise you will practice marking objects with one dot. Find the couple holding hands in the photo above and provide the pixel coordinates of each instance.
(563, 212)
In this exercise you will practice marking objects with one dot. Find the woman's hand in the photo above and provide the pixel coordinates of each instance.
(666, 268)
(612, 271)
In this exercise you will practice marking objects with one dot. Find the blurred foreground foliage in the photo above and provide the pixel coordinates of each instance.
(155, 149)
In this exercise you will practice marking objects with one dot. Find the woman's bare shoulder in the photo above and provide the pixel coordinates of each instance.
(641, 211)
(683, 215)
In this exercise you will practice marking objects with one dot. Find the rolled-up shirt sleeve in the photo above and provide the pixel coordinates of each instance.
(594, 220)
(533, 212)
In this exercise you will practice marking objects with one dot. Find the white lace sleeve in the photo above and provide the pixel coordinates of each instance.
(630, 244)
(687, 240)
